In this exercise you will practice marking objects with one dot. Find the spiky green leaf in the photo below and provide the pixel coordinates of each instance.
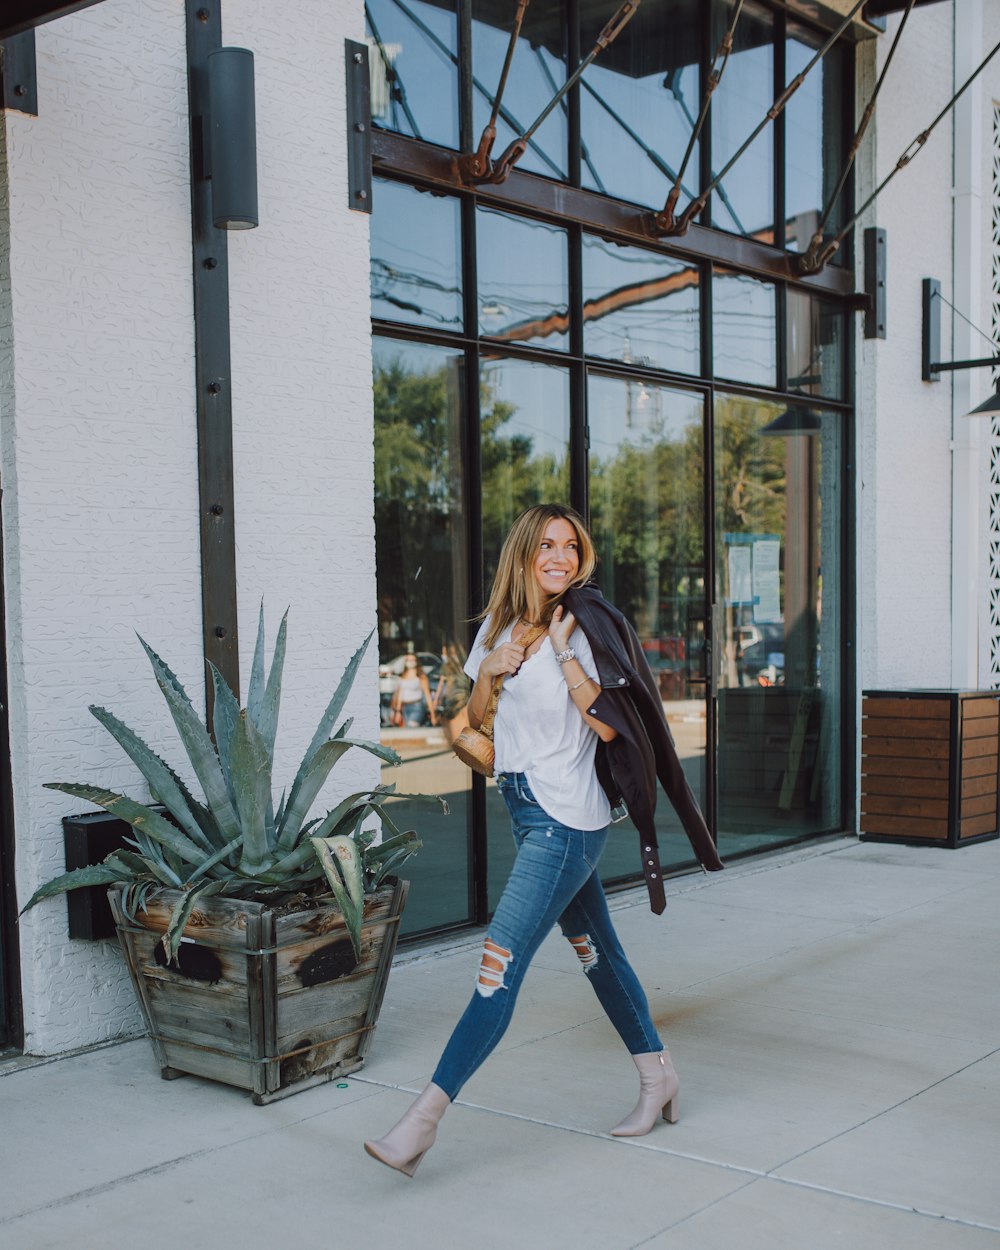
(341, 863)
(163, 781)
(310, 780)
(255, 687)
(250, 767)
(94, 874)
(225, 714)
(141, 818)
(266, 716)
(181, 913)
(198, 745)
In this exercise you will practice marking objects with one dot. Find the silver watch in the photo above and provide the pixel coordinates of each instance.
(564, 657)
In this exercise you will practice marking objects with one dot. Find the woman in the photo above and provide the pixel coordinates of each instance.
(412, 698)
(546, 736)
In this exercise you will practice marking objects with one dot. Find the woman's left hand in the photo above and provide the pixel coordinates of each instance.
(561, 628)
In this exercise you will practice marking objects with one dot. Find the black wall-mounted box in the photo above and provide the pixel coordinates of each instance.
(89, 839)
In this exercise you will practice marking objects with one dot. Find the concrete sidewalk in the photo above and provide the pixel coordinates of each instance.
(833, 1013)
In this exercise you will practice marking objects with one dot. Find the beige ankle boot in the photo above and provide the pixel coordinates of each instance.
(408, 1141)
(658, 1085)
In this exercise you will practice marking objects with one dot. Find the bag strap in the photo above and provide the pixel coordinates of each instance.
(486, 724)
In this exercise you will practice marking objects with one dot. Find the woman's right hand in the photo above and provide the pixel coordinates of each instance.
(506, 660)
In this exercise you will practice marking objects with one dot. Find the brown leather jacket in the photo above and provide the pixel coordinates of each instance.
(628, 766)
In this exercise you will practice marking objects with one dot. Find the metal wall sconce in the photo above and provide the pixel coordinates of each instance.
(231, 139)
(931, 364)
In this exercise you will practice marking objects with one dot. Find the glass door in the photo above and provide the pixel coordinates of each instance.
(777, 621)
(647, 508)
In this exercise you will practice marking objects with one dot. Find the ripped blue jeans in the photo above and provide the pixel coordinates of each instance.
(554, 879)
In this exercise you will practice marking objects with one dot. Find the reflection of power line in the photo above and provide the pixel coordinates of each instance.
(409, 278)
(505, 113)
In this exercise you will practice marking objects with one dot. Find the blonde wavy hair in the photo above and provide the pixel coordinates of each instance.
(515, 592)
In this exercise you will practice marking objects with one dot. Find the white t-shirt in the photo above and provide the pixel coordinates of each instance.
(539, 732)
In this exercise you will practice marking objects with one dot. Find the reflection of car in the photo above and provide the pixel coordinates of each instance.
(762, 654)
(391, 671)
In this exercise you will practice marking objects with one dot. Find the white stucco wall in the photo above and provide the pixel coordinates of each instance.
(905, 425)
(98, 435)
(301, 354)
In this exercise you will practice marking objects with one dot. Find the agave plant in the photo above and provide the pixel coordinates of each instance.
(236, 843)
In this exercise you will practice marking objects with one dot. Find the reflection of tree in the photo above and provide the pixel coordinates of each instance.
(419, 519)
(749, 469)
(513, 477)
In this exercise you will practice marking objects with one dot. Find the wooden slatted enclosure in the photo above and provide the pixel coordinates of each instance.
(930, 761)
(268, 1000)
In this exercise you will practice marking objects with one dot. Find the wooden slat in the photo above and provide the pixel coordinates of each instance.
(233, 964)
(896, 727)
(972, 787)
(907, 748)
(931, 708)
(220, 922)
(908, 826)
(973, 708)
(976, 748)
(226, 1068)
(907, 787)
(892, 766)
(976, 825)
(982, 805)
(200, 1014)
(984, 727)
(932, 809)
(982, 767)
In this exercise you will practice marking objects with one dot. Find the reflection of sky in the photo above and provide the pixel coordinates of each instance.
(523, 276)
(746, 93)
(636, 414)
(540, 397)
(421, 59)
(744, 329)
(639, 166)
(662, 332)
(535, 76)
(415, 257)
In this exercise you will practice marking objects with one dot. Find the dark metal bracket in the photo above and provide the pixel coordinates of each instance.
(875, 279)
(931, 364)
(18, 77)
(359, 126)
(213, 380)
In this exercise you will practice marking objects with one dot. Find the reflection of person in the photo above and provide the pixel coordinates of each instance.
(548, 741)
(412, 701)
(452, 691)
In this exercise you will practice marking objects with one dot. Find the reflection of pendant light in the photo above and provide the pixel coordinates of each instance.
(794, 421)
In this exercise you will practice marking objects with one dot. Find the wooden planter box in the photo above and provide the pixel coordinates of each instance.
(265, 999)
(929, 766)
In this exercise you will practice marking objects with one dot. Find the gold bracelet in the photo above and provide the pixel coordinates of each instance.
(581, 683)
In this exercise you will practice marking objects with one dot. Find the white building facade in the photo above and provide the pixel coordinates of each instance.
(401, 382)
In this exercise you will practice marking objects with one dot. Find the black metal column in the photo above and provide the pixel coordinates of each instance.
(213, 382)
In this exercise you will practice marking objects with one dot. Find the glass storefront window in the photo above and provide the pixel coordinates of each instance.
(422, 585)
(639, 102)
(814, 138)
(523, 280)
(537, 71)
(647, 465)
(778, 636)
(814, 345)
(744, 329)
(415, 257)
(413, 58)
(640, 308)
(744, 200)
(525, 460)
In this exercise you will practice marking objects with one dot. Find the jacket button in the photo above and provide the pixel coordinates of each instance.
(621, 681)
